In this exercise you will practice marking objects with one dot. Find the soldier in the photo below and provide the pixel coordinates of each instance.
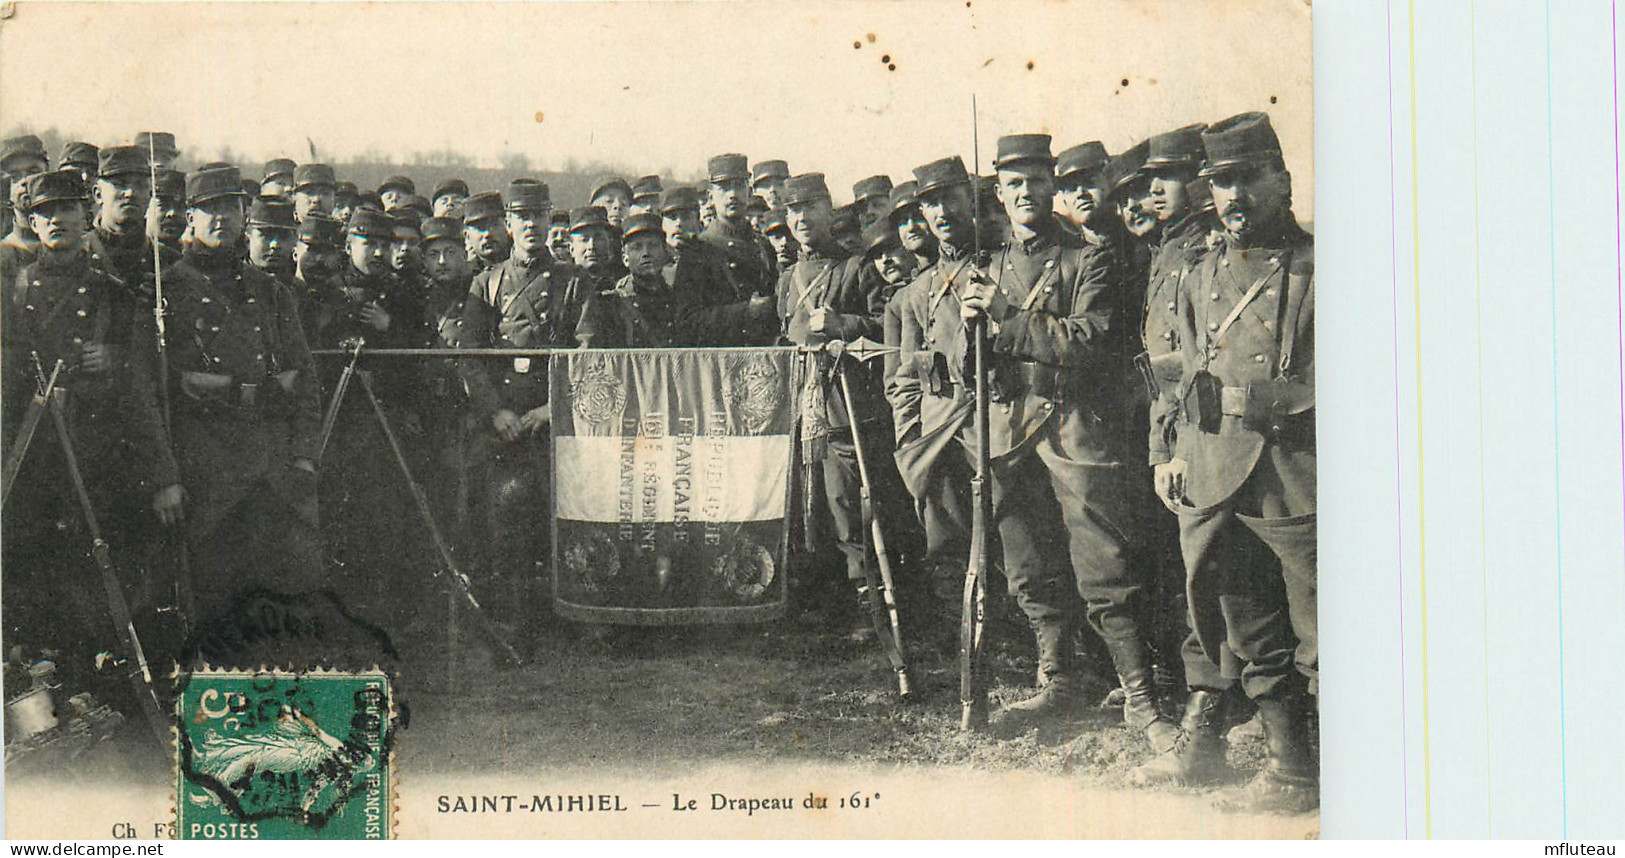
(448, 199)
(889, 268)
(160, 146)
(708, 214)
(646, 193)
(820, 298)
(912, 231)
(680, 219)
(121, 200)
(62, 308)
(558, 237)
(447, 423)
(645, 313)
(1132, 227)
(82, 158)
(844, 229)
(419, 209)
(731, 304)
(1056, 419)
(527, 301)
(755, 210)
(251, 190)
(750, 267)
(872, 198)
(1079, 198)
(591, 246)
(346, 199)
(406, 254)
(396, 193)
(614, 196)
(371, 201)
(368, 302)
(1242, 474)
(315, 188)
(776, 229)
(483, 230)
(166, 215)
(318, 260)
(246, 411)
(767, 181)
(271, 237)
(277, 181)
(20, 157)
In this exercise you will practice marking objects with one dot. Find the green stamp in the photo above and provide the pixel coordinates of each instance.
(274, 755)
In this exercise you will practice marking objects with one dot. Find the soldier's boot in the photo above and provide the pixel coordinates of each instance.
(1059, 696)
(1140, 709)
(1198, 752)
(1289, 781)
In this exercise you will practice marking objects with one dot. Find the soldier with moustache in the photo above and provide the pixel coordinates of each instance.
(406, 254)
(62, 310)
(1242, 474)
(594, 248)
(318, 260)
(20, 157)
(824, 297)
(246, 411)
(558, 237)
(448, 199)
(1134, 228)
(483, 232)
(735, 309)
(315, 188)
(278, 178)
(777, 232)
(527, 301)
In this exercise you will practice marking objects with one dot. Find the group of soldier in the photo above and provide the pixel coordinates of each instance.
(1149, 317)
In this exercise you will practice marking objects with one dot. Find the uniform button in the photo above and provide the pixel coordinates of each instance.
(250, 300)
(205, 300)
(1213, 295)
(78, 341)
(216, 360)
(1258, 358)
(259, 357)
(1224, 262)
(1049, 288)
(256, 329)
(1269, 326)
(1168, 335)
(1049, 263)
(1269, 293)
(1049, 406)
(81, 290)
(214, 329)
(36, 282)
(79, 313)
(29, 307)
(1171, 306)
(1213, 326)
(95, 256)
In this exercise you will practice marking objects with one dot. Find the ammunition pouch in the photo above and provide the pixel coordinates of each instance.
(1271, 408)
(1202, 402)
(212, 391)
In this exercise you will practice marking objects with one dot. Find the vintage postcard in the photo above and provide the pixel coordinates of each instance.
(659, 419)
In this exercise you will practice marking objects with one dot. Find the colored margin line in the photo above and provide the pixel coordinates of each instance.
(1421, 481)
(1399, 506)
(1478, 344)
(1557, 430)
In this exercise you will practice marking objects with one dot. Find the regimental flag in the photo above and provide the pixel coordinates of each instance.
(671, 484)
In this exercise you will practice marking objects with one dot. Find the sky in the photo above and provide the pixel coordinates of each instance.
(846, 88)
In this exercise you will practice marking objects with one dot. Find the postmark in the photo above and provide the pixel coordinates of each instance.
(283, 755)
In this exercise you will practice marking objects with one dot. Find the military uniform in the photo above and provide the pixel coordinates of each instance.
(645, 308)
(521, 303)
(717, 309)
(246, 407)
(59, 304)
(827, 278)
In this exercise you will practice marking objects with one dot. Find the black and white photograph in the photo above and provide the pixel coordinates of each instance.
(677, 419)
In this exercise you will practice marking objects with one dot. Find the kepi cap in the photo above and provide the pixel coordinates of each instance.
(25, 147)
(484, 205)
(122, 161)
(874, 186)
(643, 222)
(319, 230)
(449, 186)
(588, 217)
(1239, 141)
(608, 183)
(272, 213)
(55, 186)
(646, 187)
(1181, 147)
(805, 188)
(278, 168)
(1082, 158)
(370, 224)
(772, 169)
(397, 183)
(1016, 148)
(526, 195)
(941, 173)
(314, 175)
(437, 228)
(80, 154)
(679, 198)
(727, 168)
(213, 183)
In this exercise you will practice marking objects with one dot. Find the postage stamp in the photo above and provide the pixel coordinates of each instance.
(284, 755)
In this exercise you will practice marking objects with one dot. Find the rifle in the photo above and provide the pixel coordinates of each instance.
(330, 419)
(123, 625)
(882, 592)
(183, 577)
(458, 581)
(25, 433)
(973, 606)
